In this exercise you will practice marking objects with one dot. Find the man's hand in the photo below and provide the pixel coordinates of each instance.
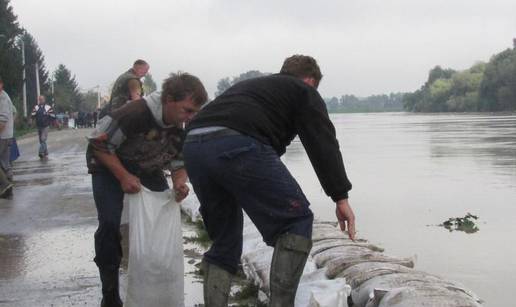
(130, 184)
(181, 191)
(346, 217)
(179, 185)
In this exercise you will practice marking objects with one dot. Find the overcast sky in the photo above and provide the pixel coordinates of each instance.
(364, 47)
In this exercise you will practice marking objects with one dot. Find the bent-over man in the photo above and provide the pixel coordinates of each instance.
(131, 147)
(232, 155)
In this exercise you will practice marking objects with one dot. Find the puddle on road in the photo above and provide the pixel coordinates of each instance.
(48, 267)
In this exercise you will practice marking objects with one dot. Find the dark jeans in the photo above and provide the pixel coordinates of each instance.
(109, 200)
(43, 135)
(231, 173)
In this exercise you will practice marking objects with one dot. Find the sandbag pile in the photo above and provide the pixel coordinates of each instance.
(338, 268)
(379, 280)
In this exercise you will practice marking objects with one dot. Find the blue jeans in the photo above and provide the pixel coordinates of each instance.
(231, 173)
(109, 200)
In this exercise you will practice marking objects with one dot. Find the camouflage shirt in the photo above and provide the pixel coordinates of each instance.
(144, 145)
(121, 92)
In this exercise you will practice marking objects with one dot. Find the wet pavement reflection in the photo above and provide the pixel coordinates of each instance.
(46, 231)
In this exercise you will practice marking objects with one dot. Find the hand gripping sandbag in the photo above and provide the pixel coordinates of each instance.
(156, 269)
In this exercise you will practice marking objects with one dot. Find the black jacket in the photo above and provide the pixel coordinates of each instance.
(274, 109)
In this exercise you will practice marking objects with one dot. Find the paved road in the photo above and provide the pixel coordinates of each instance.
(46, 231)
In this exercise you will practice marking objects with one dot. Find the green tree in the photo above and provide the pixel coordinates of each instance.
(89, 101)
(498, 86)
(149, 85)
(226, 83)
(10, 52)
(66, 92)
(223, 85)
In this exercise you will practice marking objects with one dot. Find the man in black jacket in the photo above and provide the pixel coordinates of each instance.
(232, 152)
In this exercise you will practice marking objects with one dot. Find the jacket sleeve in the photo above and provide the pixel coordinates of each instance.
(108, 136)
(34, 110)
(317, 133)
(50, 111)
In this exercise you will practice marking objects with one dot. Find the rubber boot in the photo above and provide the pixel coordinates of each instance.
(217, 284)
(110, 289)
(288, 262)
(5, 184)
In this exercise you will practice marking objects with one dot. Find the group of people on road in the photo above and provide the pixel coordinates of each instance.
(42, 114)
(230, 151)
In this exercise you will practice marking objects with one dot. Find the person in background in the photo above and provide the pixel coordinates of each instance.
(95, 117)
(7, 114)
(128, 86)
(232, 155)
(130, 148)
(44, 115)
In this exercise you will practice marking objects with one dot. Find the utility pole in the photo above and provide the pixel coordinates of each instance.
(38, 91)
(24, 80)
(98, 96)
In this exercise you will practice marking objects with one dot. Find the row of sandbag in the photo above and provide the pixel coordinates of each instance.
(337, 263)
(377, 279)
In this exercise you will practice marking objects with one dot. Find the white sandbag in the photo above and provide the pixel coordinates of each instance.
(156, 269)
(323, 293)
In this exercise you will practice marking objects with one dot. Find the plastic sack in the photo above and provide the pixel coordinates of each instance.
(323, 293)
(156, 268)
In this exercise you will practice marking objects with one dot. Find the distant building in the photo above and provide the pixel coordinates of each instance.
(514, 43)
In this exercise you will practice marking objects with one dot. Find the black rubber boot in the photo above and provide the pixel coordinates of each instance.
(5, 184)
(288, 262)
(217, 284)
(110, 289)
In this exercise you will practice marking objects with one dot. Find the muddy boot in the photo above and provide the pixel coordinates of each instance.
(288, 262)
(217, 283)
(8, 194)
(5, 184)
(110, 291)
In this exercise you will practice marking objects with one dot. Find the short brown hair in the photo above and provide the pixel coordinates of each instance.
(140, 62)
(180, 86)
(302, 66)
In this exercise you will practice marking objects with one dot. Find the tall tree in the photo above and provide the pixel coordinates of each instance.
(66, 92)
(149, 85)
(498, 87)
(226, 83)
(90, 100)
(10, 53)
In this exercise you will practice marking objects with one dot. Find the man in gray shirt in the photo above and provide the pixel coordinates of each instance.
(7, 111)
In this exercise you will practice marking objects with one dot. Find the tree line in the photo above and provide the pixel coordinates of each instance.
(484, 87)
(16, 41)
(60, 87)
(344, 104)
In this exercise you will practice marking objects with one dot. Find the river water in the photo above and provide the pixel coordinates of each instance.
(411, 172)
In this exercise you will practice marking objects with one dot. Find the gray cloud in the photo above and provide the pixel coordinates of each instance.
(363, 46)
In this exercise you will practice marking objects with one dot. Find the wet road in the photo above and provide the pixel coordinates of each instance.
(46, 230)
(46, 246)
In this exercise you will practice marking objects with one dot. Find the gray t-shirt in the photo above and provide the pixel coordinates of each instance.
(7, 111)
